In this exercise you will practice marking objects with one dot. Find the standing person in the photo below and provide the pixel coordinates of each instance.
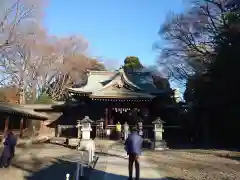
(118, 130)
(126, 131)
(133, 146)
(8, 149)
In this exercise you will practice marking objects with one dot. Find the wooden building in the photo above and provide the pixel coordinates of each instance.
(16, 117)
(9, 99)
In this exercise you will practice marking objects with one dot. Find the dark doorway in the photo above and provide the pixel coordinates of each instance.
(121, 117)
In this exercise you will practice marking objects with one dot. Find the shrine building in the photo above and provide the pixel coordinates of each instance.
(113, 96)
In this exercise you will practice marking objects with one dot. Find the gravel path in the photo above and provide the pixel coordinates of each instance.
(46, 161)
(197, 164)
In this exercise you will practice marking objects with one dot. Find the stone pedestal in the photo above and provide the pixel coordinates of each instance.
(89, 146)
(86, 144)
(160, 145)
(86, 134)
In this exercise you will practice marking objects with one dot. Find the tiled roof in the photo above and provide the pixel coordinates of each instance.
(99, 84)
(142, 80)
(44, 106)
(95, 81)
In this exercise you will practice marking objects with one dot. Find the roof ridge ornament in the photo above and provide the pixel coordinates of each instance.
(120, 84)
(121, 70)
(125, 78)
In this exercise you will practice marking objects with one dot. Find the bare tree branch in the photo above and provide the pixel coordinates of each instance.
(189, 37)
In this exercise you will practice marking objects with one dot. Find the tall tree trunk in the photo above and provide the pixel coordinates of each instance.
(205, 130)
(22, 100)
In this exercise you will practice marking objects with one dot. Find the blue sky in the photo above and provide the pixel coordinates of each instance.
(114, 28)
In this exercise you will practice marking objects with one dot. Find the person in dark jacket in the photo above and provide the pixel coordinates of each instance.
(133, 146)
(8, 149)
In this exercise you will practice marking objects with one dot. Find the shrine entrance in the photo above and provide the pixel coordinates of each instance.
(119, 96)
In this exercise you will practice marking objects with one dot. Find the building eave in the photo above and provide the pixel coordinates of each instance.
(14, 109)
(79, 91)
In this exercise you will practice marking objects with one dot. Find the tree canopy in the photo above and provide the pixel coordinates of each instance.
(132, 63)
(202, 46)
(35, 61)
(44, 99)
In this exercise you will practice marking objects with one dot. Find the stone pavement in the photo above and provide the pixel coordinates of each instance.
(117, 166)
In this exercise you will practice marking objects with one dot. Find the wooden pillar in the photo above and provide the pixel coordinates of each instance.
(110, 115)
(106, 118)
(21, 127)
(6, 125)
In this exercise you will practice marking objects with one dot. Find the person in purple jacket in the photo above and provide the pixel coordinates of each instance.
(8, 149)
(133, 146)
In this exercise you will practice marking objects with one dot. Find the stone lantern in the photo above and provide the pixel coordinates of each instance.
(86, 127)
(86, 143)
(159, 143)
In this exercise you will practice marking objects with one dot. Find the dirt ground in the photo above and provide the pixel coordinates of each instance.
(47, 161)
(197, 164)
(41, 161)
(44, 161)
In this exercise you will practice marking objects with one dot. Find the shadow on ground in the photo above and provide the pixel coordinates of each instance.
(100, 175)
(56, 171)
(63, 145)
(236, 158)
(109, 154)
(59, 168)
